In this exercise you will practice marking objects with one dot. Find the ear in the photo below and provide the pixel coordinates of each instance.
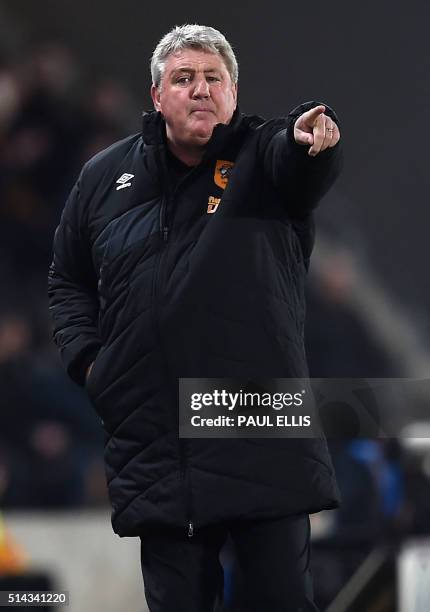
(235, 89)
(155, 95)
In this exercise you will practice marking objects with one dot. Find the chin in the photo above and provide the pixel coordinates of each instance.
(200, 139)
(205, 132)
(204, 139)
(202, 131)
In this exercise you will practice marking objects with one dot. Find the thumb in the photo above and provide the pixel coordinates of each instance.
(303, 137)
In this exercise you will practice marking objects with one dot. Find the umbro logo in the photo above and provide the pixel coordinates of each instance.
(123, 181)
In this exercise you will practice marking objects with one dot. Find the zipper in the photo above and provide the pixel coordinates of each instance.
(185, 475)
(169, 196)
(102, 301)
(182, 457)
(164, 228)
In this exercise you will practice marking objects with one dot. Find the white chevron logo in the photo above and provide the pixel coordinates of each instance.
(123, 181)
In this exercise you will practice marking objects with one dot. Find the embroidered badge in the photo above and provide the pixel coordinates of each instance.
(222, 171)
(213, 204)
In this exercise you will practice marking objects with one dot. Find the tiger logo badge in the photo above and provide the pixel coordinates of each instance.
(222, 172)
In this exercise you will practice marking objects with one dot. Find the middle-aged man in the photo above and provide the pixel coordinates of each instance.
(182, 252)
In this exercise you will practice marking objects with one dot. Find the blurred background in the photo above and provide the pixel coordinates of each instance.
(74, 77)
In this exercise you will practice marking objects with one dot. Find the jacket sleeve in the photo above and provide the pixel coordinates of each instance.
(72, 292)
(302, 179)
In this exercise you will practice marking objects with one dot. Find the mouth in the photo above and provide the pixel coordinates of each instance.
(202, 110)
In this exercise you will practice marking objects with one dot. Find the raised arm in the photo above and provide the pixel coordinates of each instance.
(305, 159)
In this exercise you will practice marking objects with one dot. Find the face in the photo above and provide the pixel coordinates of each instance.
(196, 92)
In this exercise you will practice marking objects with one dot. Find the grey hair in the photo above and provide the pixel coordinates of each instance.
(195, 37)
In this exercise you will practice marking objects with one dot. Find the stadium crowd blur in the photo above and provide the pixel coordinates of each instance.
(53, 117)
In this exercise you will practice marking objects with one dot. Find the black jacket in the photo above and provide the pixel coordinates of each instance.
(204, 280)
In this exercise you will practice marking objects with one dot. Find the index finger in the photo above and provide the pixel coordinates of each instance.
(314, 113)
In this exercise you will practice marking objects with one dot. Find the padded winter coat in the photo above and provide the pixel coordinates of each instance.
(204, 279)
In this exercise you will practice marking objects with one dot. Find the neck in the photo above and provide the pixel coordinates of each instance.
(191, 156)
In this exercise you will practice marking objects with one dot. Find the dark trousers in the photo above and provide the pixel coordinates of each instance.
(183, 574)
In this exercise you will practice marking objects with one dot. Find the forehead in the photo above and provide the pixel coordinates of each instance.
(196, 59)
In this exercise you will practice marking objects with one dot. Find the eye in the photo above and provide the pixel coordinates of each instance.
(183, 80)
(213, 79)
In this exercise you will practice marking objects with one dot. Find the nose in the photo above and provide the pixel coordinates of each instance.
(201, 89)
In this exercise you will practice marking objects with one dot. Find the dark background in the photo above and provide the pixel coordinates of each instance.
(369, 294)
(369, 60)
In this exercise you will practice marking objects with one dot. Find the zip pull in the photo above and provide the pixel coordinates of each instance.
(165, 233)
(190, 529)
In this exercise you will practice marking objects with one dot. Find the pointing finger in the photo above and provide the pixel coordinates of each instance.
(312, 115)
(319, 135)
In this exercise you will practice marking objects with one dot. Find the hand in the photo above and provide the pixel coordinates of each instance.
(88, 372)
(316, 129)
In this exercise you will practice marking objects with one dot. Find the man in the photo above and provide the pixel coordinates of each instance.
(182, 252)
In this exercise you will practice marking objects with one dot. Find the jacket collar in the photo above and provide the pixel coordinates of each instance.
(154, 131)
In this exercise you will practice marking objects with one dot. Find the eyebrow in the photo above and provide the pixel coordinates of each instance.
(185, 69)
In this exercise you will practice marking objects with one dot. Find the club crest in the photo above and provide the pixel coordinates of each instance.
(222, 172)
